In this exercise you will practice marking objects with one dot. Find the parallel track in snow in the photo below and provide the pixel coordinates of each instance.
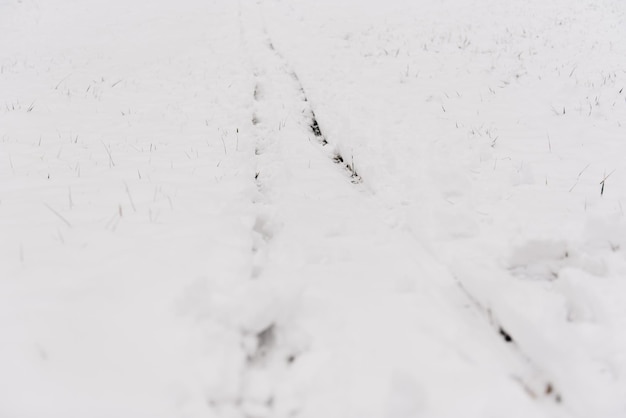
(287, 128)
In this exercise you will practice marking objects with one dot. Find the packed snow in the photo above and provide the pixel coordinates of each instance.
(295, 208)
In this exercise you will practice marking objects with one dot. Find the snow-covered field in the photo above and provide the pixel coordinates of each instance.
(296, 208)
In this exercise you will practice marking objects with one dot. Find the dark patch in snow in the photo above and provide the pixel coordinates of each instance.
(355, 178)
(507, 337)
(266, 340)
(315, 127)
(257, 92)
(266, 337)
(549, 388)
(302, 93)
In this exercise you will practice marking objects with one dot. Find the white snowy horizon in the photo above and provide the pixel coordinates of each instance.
(332, 208)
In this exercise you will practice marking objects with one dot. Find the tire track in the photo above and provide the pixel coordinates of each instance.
(271, 347)
(308, 113)
(278, 89)
(538, 387)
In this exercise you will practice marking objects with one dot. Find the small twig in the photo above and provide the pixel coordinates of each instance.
(112, 163)
(603, 182)
(130, 197)
(62, 80)
(65, 221)
(224, 145)
(578, 178)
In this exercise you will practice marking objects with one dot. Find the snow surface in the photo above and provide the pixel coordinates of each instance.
(338, 209)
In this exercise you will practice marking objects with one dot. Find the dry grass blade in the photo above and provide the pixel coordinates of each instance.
(65, 221)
